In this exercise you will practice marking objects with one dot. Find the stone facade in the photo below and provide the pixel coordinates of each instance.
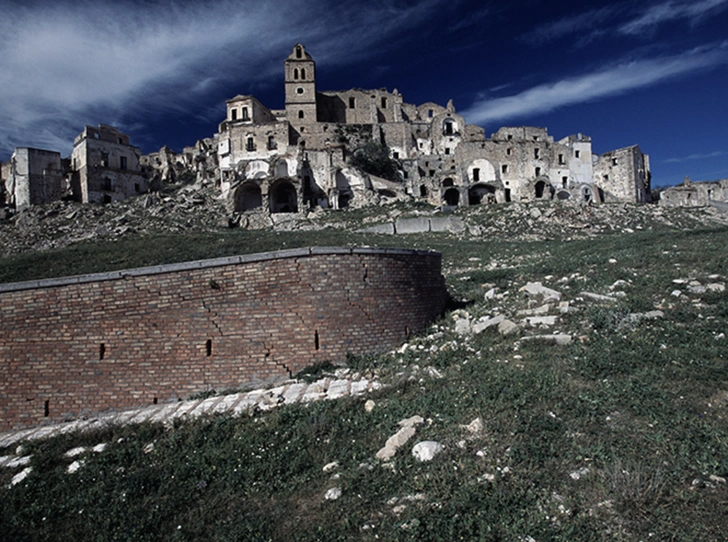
(105, 166)
(137, 337)
(33, 177)
(296, 158)
(696, 194)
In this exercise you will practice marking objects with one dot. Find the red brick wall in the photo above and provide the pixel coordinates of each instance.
(117, 340)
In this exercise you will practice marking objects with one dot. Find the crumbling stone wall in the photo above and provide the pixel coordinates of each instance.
(118, 340)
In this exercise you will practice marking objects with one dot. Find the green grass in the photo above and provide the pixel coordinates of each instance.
(637, 410)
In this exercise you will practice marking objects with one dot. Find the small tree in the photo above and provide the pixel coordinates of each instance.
(374, 158)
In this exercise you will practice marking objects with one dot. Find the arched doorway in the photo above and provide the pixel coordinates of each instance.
(247, 197)
(447, 182)
(563, 194)
(451, 197)
(481, 193)
(283, 198)
(540, 189)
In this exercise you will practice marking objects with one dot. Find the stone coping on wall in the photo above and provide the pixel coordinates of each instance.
(206, 264)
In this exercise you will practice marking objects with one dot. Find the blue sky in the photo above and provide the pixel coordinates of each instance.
(653, 73)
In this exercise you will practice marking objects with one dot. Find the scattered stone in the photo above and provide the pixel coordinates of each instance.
(576, 475)
(331, 466)
(474, 427)
(536, 288)
(717, 479)
(463, 327)
(485, 322)
(490, 294)
(560, 339)
(545, 321)
(599, 297)
(18, 462)
(426, 450)
(538, 311)
(715, 287)
(73, 467)
(400, 438)
(506, 327)
(369, 405)
(676, 293)
(333, 494)
(720, 336)
(22, 475)
(73, 452)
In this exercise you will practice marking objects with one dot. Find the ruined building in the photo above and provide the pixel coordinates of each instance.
(105, 166)
(32, 177)
(297, 157)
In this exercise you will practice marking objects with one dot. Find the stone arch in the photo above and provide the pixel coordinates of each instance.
(448, 182)
(248, 196)
(586, 193)
(481, 193)
(282, 197)
(542, 189)
(451, 197)
(257, 169)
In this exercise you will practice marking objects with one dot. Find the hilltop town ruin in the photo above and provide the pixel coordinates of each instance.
(336, 149)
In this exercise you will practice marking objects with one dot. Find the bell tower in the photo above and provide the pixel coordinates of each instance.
(300, 87)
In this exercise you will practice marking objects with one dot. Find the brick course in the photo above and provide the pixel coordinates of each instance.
(87, 344)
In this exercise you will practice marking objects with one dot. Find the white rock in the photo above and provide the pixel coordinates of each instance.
(369, 405)
(506, 327)
(330, 466)
(720, 336)
(18, 462)
(333, 494)
(73, 467)
(485, 322)
(490, 294)
(676, 293)
(536, 288)
(463, 327)
(73, 452)
(545, 321)
(716, 287)
(576, 475)
(599, 297)
(426, 450)
(22, 475)
(475, 427)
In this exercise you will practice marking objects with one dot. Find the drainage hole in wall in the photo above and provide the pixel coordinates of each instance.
(47, 409)
(154, 401)
(208, 347)
(316, 339)
(102, 351)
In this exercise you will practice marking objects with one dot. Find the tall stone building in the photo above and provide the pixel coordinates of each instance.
(105, 166)
(284, 160)
(32, 177)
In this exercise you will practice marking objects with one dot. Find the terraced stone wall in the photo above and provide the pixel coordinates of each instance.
(83, 345)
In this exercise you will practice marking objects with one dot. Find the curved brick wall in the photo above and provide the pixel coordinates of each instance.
(117, 340)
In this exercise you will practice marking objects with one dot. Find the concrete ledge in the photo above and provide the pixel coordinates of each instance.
(204, 264)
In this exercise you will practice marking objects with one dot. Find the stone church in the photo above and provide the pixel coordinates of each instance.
(298, 157)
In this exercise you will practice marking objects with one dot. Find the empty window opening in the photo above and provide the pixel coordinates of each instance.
(447, 127)
(509, 151)
(248, 196)
(577, 154)
(606, 177)
(137, 188)
(395, 155)
(295, 73)
(250, 144)
(316, 339)
(303, 73)
(476, 174)
(452, 197)
(384, 102)
(299, 90)
(504, 168)
(271, 143)
(300, 114)
(107, 184)
(447, 182)
(540, 188)
(561, 159)
(447, 150)
(208, 347)
(508, 194)
(432, 173)
(423, 190)
(406, 331)
(538, 171)
(510, 137)
(122, 162)
(233, 114)
(102, 351)
(430, 112)
(155, 401)
(299, 52)
(537, 153)
(535, 138)
(564, 181)
(47, 409)
(104, 159)
(245, 114)
(614, 161)
(352, 102)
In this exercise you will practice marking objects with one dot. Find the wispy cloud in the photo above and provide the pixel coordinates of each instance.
(671, 11)
(610, 81)
(70, 63)
(696, 156)
(623, 18)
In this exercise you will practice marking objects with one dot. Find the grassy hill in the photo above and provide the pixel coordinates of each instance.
(619, 435)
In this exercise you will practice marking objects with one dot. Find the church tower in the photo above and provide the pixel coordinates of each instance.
(300, 87)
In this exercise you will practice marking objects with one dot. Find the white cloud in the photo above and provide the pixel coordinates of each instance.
(609, 81)
(69, 63)
(696, 156)
(670, 11)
